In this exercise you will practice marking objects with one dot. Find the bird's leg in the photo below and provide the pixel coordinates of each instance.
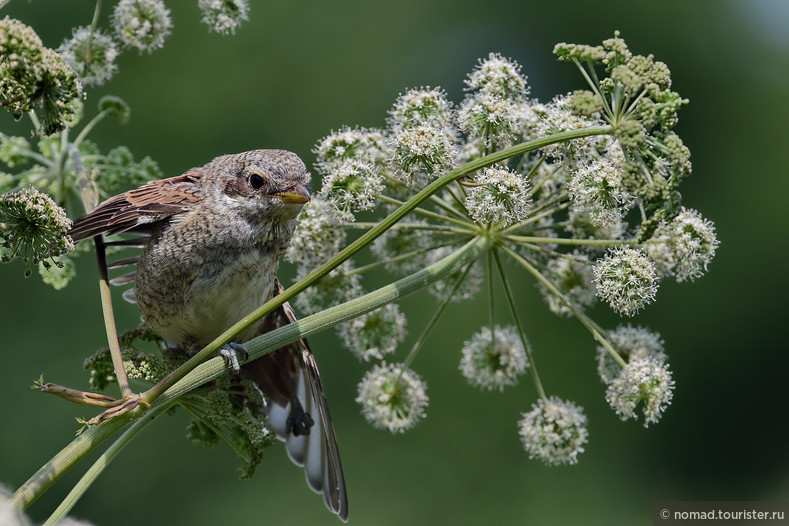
(229, 354)
(299, 421)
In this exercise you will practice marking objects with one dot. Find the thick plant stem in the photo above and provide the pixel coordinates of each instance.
(256, 347)
(102, 462)
(209, 350)
(66, 458)
(317, 322)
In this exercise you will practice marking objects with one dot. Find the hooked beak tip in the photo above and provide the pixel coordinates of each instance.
(297, 196)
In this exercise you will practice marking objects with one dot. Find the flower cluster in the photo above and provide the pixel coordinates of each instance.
(493, 359)
(630, 343)
(392, 397)
(501, 196)
(224, 16)
(584, 199)
(422, 136)
(33, 228)
(142, 24)
(139, 366)
(573, 276)
(375, 334)
(626, 279)
(684, 246)
(92, 54)
(34, 77)
(554, 431)
(645, 381)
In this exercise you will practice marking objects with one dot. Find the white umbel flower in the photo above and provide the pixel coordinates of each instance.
(626, 278)
(554, 431)
(687, 245)
(645, 381)
(500, 198)
(493, 362)
(391, 400)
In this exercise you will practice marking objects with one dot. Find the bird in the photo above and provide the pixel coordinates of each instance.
(212, 240)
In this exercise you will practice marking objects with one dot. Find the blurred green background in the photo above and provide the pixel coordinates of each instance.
(301, 68)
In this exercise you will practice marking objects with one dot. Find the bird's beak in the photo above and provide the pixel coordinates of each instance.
(296, 196)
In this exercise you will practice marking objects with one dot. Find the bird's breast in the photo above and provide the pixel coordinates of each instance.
(189, 293)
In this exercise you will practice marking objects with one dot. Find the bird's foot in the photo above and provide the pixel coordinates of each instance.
(230, 354)
(299, 421)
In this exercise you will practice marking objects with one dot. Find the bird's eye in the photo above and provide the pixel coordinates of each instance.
(256, 181)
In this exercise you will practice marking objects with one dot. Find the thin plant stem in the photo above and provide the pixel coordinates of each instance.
(433, 198)
(89, 126)
(429, 213)
(536, 217)
(401, 257)
(88, 198)
(491, 301)
(93, 25)
(513, 309)
(585, 321)
(572, 241)
(432, 323)
(408, 226)
(109, 320)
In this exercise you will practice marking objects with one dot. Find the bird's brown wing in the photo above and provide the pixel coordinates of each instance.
(139, 207)
(290, 376)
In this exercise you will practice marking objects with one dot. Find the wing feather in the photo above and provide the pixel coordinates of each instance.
(317, 451)
(149, 203)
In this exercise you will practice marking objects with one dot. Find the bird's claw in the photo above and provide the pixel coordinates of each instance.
(230, 354)
(299, 421)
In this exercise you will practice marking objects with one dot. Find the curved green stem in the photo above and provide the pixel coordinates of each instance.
(361, 242)
(465, 223)
(89, 126)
